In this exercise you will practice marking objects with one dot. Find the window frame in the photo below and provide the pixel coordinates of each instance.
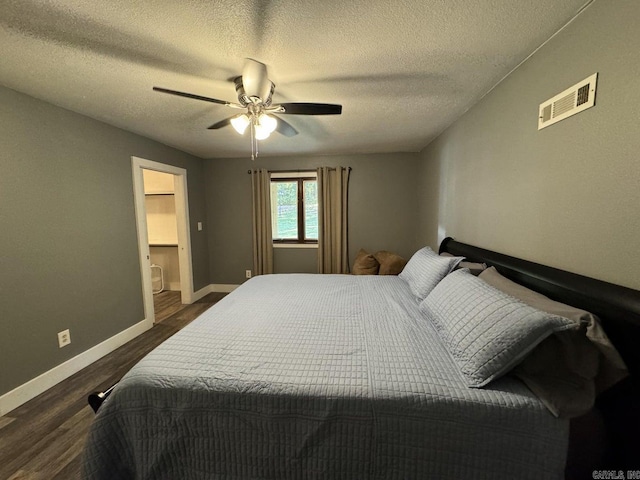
(299, 178)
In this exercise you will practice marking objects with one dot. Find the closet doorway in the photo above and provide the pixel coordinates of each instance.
(162, 221)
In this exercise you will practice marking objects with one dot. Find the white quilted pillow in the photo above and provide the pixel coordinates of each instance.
(425, 269)
(486, 331)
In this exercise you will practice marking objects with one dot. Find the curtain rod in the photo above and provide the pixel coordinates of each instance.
(293, 170)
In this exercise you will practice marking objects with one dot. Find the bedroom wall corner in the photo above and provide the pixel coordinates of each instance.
(565, 196)
(429, 190)
(382, 209)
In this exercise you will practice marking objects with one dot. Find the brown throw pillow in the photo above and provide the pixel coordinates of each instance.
(365, 264)
(390, 263)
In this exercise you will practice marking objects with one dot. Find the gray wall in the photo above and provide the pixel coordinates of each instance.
(68, 247)
(568, 195)
(382, 210)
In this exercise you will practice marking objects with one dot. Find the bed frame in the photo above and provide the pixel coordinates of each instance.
(608, 437)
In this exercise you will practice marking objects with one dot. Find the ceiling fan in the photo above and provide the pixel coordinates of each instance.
(255, 93)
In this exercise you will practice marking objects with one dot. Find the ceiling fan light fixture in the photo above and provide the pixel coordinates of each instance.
(261, 132)
(240, 123)
(255, 97)
(268, 122)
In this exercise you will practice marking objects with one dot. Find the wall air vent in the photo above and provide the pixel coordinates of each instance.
(573, 100)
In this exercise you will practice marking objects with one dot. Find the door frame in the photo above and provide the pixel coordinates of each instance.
(184, 237)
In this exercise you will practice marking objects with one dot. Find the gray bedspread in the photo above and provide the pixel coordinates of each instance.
(317, 376)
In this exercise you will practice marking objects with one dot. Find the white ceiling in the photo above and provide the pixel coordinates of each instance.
(403, 70)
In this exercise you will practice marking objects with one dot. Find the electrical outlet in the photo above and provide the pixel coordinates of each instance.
(64, 338)
(248, 273)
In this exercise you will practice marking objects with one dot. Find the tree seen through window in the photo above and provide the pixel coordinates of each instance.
(294, 210)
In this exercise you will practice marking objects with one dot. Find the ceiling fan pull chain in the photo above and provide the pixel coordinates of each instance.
(256, 142)
(253, 141)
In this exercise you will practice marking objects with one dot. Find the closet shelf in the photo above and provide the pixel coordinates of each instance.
(163, 244)
(159, 193)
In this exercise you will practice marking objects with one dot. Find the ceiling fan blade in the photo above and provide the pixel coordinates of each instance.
(191, 95)
(220, 124)
(285, 128)
(255, 80)
(310, 108)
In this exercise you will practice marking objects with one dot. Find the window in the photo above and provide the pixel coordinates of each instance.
(294, 208)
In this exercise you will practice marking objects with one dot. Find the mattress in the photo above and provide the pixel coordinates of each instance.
(317, 376)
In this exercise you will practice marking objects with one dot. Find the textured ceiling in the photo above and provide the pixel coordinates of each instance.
(402, 69)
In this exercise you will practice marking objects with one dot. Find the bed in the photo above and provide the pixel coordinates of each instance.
(341, 376)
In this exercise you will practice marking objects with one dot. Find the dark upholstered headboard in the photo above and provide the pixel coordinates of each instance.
(618, 308)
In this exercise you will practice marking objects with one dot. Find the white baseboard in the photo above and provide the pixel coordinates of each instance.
(201, 293)
(223, 287)
(214, 288)
(41, 383)
(25, 392)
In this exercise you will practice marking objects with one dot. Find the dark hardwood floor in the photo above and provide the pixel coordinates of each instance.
(166, 304)
(43, 439)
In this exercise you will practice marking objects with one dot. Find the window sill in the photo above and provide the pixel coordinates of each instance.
(295, 245)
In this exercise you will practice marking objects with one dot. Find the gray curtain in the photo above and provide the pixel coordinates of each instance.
(262, 239)
(333, 245)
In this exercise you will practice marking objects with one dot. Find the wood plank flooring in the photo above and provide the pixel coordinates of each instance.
(43, 439)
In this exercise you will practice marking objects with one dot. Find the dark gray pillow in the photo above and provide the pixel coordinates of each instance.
(474, 267)
(569, 368)
(425, 269)
(486, 331)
